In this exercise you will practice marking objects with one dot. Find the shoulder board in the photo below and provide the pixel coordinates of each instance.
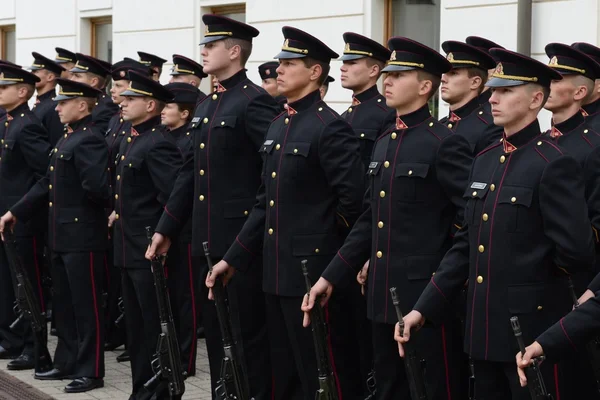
(591, 136)
(483, 115)
(490, 147)
(546, 149)
(436, 128)
(326, 115)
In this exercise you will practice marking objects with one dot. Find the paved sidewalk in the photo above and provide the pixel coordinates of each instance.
(117, 382)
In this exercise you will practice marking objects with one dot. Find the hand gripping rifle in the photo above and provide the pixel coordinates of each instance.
(592, 347)
(415, 367)
(233, 383)
(167, 364)
(327, 389)
(535, 380)
(28, 305)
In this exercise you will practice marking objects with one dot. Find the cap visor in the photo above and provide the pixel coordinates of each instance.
(133, 94)
(78, 70)
(6, 83)
(62, 97)
(499, 82)
(349, 57)
(210, 39)
(34, 68)
(61, 61)
(395, 68)
(288, 55)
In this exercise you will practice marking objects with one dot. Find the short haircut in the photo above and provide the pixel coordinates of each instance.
(483, 74)
(245, 48)
(580, 80)
(187, 107)
(534, 87)
(30, 89)
(325, 67)
(428, 76)
(159, 104)
(90, 101)
(373, 61)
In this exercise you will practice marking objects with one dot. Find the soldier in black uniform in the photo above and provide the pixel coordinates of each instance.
(23, 159)
(48, 71)
(417, 166)
(154, 62)
(526, 223)
(5, 62)
(591, 105)
(118, 128)
(484, 45)
(66, 59)
(573, 133)
(311, 194)
(147, 167)
(218, 185)
(187, 71)
(268, 75)
(95, 73)
(461, 88)
(324, 88)
(184, 272)
(76, 185)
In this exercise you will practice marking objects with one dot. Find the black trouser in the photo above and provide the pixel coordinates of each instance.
(142, 322)
(78, 281)
(439, 347)
(499, 381)
(361, 331)
(30, 251)
(295, 374)
(183, 281)
(114, 333)
(247, 310)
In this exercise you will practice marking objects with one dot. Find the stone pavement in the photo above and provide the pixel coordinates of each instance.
(117, 382)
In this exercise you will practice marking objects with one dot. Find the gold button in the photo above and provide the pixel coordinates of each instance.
(484, 217)
(122, 158)
(394, 136)
(271, 203)
(6, 146)
(123, 132)
(64, 135)
(480, 112)
(270, 231)
(201, 197)
(481, 248)
(76, 219)
(287, 120)
(51, 168)
(55, 150)
(349, 109)
(201, 172)
(410, 172)
(320, 108)
(379, 254)
(492, 187)
(84, 129)
(585, 131)
(116, 197)
(129, 165)
(22, 115)
(246, 212)
(214, 96)
(117, 216)
(187, 134)
(61, 156)
(50, 187)
(6, 124)
(121, 120)
(431, 124)
(295, 151)
(129, 140)
(513, 199)
(502, 159)
(118, 177)
(205, 120)
(222, 123)
(540, 308)
(277, 147)
(273, 174)
(474, 194)
(480, 279)
(50, 204)
(386, 164)
(201, 145)
(539, 143)
(245, 86)
(380, 224)
(379, 100)
(449, 125)
(317, 251)
(382, 194)
(362, 135)
(2, 141)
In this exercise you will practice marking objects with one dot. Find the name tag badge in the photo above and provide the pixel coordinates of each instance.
(478, 185)
(195, 119)
(373, 164)
(268, 142)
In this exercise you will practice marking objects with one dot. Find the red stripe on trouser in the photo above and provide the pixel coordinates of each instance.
(446, 371)
(95, 313)
(38, 275)
(337, 380)
(194, 329)
(556, 387)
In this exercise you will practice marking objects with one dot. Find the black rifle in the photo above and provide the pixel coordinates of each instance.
(327, 389)
(415, 367)
(592, 347)
(371, 385)
(121, 316)
(471, 379)
(535, 380)
(28, 304)
(167, 362)
(234, 381)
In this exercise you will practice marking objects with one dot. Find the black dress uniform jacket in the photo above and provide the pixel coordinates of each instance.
(484, 100)
(23, 161)
(369, 116)
(183, 140)
(591, 112)
(525, 223)
(417, 179)
(311, 193)
(101, 114)
(76, 188)
(44, 109)
(146, 170)
(476, 124)
(219, 179)
(118, 128)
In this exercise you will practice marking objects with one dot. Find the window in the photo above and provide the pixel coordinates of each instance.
(233, 11)
(101, 38)
(8, 43)
(418, 20)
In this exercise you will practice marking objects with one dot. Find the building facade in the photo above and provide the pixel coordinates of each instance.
(113, 29)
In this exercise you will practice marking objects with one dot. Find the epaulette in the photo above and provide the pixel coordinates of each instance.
(546, 149)
(380, 101)
(484, 116)
(326, 115)
(490, 147)
(436, 128)
(591, 136)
